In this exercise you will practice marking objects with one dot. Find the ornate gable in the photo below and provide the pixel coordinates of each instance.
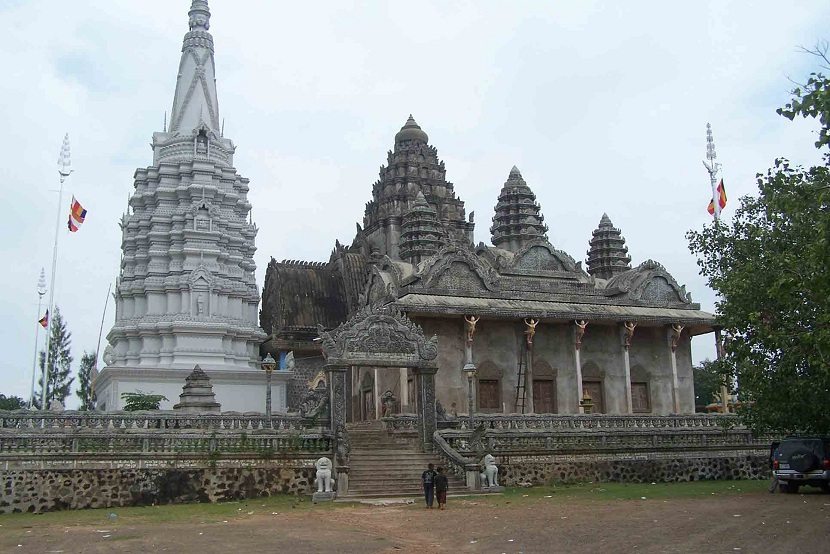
(458, 268)
(381, 336)
(649, 282)
(540, 255)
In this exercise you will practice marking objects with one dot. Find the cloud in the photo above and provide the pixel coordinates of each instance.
(603, 108)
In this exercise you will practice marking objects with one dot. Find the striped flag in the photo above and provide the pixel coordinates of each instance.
(77, 215)
(44, 321)
(721, 193)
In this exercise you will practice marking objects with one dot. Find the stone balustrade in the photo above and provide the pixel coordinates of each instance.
(598, 421)
(401, 422)
(230, 421)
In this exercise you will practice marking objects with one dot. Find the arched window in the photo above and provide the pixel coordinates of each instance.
(489, 387)
(593, 385)
(544, 388)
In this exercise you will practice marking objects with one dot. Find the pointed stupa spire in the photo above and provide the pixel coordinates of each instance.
(411, 131)
(608, 254)
(421, 232)
(195, 104)
(518, 218)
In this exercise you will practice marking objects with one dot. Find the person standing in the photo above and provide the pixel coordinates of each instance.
(428, 484)
(441, 486)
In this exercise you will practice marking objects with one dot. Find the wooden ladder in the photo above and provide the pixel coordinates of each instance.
(521, 381)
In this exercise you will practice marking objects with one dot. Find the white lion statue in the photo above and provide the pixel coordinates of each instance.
(490, 475)
(323, 478)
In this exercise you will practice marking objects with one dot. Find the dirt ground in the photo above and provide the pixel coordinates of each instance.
(539, 520)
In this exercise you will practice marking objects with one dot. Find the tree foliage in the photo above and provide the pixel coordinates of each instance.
(11, 402)
(60, 361)
(85, 376)
(137, 401)
(708, 379)
(771, 269)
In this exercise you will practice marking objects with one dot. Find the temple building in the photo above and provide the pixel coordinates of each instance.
(187, 292)
(536, 332)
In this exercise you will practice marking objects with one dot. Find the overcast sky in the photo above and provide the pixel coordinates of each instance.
(602, 105)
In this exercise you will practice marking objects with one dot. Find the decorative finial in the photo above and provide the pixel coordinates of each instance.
(199, 16)
(64, 162)
(710, 144)
(41, 283)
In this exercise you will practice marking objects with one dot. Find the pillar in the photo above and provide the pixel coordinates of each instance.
(628, 334)
(337, 406)
(404, 388)
(579, 332)
(529, 378)
(376, 385)
(426, 406)
(674, 338)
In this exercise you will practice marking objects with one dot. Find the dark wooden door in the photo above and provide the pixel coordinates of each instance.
(594, 390)
(544, 396)
(489, 398)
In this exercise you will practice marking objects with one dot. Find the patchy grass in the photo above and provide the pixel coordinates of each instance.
(112, 518)
(169, 513)
(637, 491)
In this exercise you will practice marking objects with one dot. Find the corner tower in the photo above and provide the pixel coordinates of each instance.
(412, 168)
(187, 293)
(518, 218)
(608, 254)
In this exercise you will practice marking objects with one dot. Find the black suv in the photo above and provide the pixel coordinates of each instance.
(800, 461)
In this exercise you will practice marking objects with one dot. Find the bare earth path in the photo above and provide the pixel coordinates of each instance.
(723, 517)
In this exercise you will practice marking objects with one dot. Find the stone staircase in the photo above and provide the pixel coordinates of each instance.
(384, 466)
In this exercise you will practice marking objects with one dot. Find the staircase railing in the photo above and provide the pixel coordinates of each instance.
(465, 468)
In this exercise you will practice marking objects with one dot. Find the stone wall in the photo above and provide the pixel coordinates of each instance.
(51, 489)
(687, 466)
(305, 369)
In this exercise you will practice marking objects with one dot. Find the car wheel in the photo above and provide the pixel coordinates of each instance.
(792, 488)
(825, 487)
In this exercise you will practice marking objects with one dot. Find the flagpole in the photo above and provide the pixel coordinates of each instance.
(713, 167)
(98, 349)
(64, 171)
(41, 290)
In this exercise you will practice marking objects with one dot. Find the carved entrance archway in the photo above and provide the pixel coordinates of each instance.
(379, 336)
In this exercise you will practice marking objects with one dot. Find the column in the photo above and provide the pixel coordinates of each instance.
(530, 330)
(426, 406)
(404, 388)
(336, 376)
(579, 332)
(674, 339)
(628, 334)
(377, 394)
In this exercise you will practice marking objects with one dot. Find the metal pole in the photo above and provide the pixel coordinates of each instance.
(712, 167)
(64, 171)
(98, 348)
(41, 290)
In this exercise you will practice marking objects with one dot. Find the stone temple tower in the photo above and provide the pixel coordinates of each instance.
(187, 293)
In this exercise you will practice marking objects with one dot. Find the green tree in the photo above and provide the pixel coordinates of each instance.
(85, 392)
(708, 379)
(60, 361)
(11, 402)
(135, 401)
(771, 268)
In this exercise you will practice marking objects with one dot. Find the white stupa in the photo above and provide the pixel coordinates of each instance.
(187, 292)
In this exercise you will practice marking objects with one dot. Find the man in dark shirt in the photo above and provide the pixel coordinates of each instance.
(428, 483)
(441, 486)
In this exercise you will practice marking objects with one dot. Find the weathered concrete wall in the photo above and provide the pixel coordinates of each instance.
(635, 468)
(47, 490)
(497, 348)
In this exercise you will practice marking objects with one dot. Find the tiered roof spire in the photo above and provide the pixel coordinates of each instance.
(195, 103)
(518, 218)
(422, 235)
(608, 254)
